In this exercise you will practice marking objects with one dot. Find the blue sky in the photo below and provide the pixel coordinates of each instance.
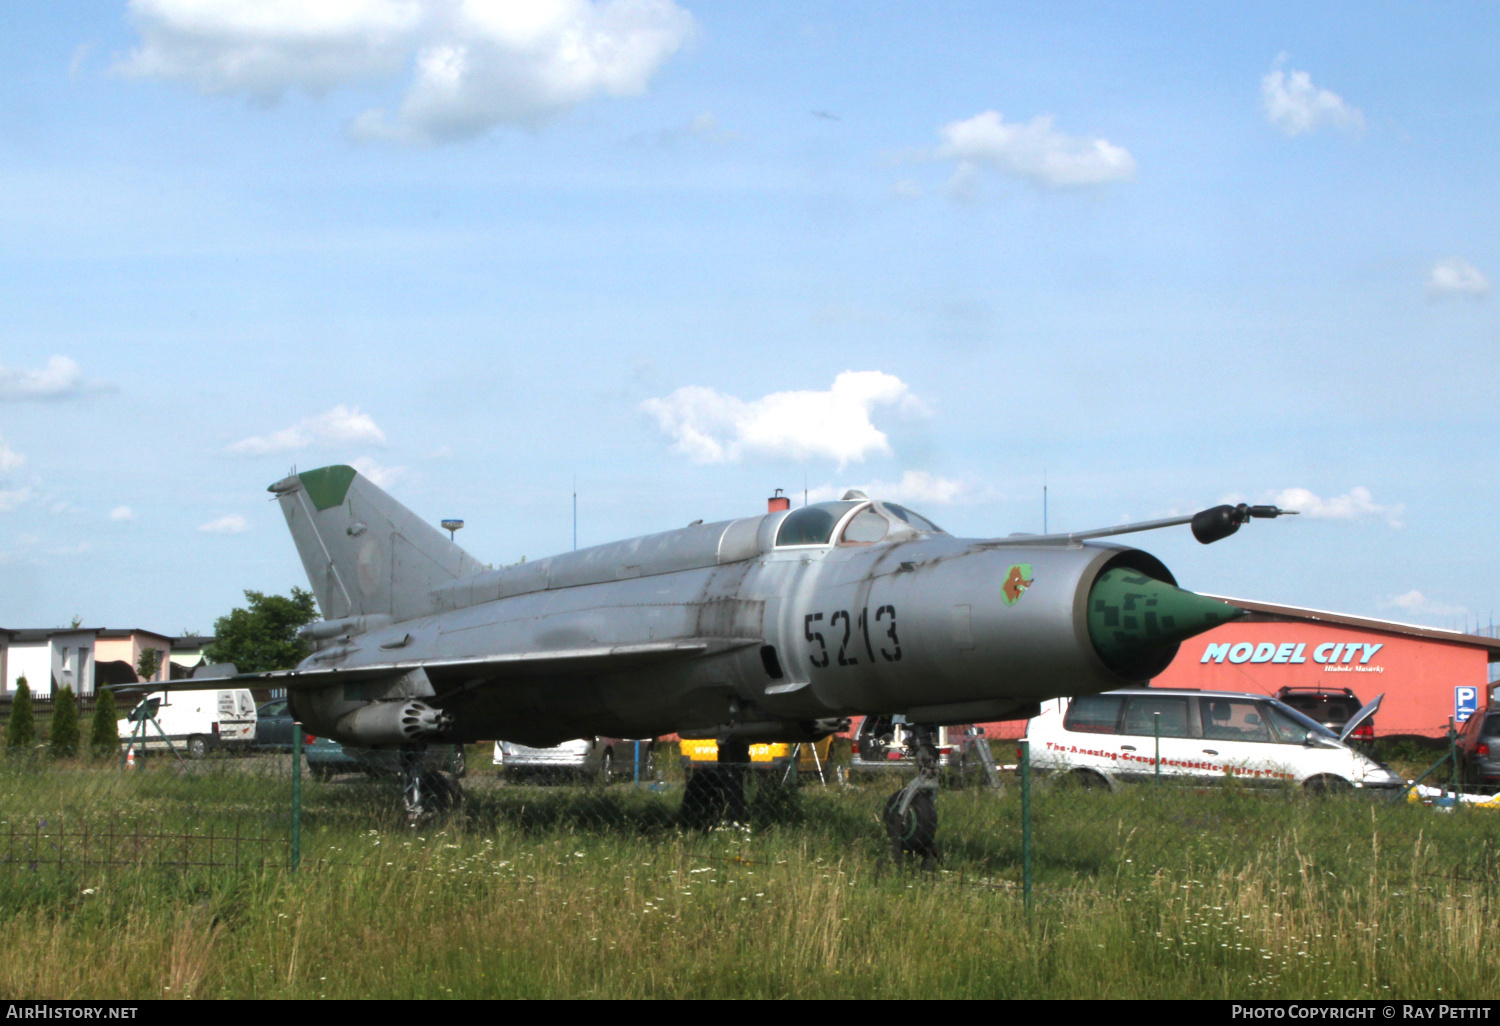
(1161, 255)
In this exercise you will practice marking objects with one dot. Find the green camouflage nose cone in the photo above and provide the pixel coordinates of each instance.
(1136, 622)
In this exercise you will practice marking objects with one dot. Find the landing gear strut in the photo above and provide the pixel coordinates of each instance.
(910, 818)
(426, 792)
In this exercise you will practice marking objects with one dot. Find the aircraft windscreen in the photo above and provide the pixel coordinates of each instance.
(812, 525)
(921, 523)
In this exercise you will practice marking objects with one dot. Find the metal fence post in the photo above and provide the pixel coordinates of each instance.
(1453, 754)
(1156, 728)
(296, 795)
(1025, 760)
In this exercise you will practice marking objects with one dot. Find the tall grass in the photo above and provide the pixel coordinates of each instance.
(565, 891)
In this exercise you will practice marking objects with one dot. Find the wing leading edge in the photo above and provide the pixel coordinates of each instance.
(513, 665)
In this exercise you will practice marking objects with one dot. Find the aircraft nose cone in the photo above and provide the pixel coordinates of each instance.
(1136, 622)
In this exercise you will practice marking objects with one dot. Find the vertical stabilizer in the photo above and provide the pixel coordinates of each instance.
(363, 551)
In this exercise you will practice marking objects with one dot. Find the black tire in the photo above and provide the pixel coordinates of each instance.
(443, 792)
(460, 762)
(1088, 780)
(1327, 785)
(197, 747)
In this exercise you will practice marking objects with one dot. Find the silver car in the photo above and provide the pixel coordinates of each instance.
(596, 759)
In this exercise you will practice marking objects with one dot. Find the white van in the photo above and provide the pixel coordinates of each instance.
(1204, 735)
(194, 721)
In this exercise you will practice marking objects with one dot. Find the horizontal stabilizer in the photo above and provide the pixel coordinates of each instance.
(511, 666)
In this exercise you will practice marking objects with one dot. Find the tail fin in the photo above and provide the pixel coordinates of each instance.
(363, 551)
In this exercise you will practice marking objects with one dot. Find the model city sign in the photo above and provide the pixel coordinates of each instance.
(1335, 656)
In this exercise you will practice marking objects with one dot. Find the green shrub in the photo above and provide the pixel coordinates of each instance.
(104, 730)
(20, 730)
(64, 734)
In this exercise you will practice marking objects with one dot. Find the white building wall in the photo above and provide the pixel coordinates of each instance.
(73, 661)
(32, 660)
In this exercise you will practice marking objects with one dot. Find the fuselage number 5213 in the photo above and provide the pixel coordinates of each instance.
(885, 620)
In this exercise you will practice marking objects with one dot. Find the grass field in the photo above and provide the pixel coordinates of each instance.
(571, 891)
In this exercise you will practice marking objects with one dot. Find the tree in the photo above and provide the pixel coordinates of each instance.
(264, 635)
(20, 731)
(64, 735)
(149, 662)
(104, 731)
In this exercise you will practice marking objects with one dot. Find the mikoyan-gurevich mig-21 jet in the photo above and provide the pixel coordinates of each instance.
(775, 627)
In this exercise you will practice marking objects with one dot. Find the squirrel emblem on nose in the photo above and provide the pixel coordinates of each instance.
(1016, 582)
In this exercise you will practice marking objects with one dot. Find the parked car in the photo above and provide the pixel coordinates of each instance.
(602, 759)
(273, 727)
(1479, 749)
(195, 722)
(883, 744)
(1204, 735)
(1332, 707)
(326, 758)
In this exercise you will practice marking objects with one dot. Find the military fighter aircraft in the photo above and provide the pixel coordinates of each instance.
(770, 627)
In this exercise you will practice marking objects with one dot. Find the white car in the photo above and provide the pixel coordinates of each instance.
(1204, 735)
(603, 759)
(194, 721)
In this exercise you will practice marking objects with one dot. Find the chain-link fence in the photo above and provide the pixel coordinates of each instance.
(984, 811)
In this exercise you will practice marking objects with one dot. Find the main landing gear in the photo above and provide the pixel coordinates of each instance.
(426, 792)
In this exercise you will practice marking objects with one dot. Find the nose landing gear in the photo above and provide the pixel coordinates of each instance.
(910, 818)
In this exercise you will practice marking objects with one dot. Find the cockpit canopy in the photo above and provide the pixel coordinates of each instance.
(862, 522)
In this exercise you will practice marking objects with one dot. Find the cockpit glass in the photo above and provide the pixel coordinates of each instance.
(866, 528)
(812, 525)
(916, 520)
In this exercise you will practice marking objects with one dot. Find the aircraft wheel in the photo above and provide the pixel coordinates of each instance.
(703, 799)
(460, 763)
(914, 834)
(444, 792)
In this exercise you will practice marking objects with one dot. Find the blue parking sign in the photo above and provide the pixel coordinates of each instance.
(1465, 703)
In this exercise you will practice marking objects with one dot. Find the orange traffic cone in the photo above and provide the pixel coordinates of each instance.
(130, 757)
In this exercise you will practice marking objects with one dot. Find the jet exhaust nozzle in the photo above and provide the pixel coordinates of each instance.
(1136, 622)
(393, 723)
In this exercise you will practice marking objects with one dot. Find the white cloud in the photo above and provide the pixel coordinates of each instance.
(1416, 602)
(1032, 150)
(711, 427)
(1457, 277)
(61, 378)
(338, 426)
(9, 458)
(1296, 106)
(380, 476)
(915, 486)
(1356, 504)
(907, 188)
(122, 513)
(10, 498)
(230, 523)
(475, 63)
